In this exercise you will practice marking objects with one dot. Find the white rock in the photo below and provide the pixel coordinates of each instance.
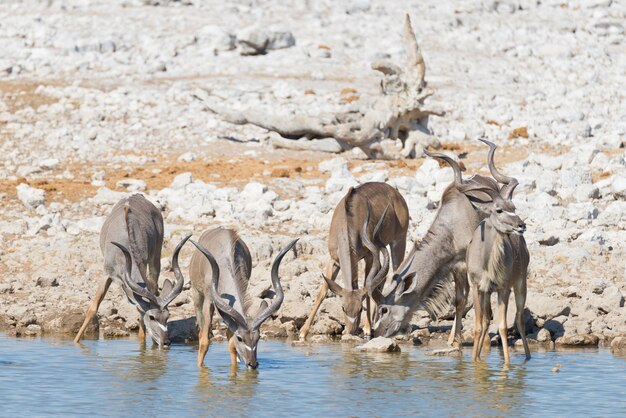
(30, 196)
(377, 175)
(613, 215)
(97, 178)
(43, 224)
(188, 157)
(547, 307)
(181, 180)
(592, 235)
(49, 163)
(444, 176)
(280, 40)
(27, 170)
(132, 185)
(380, 344)
(583, 210)
(356, 6)
(406, 184)
(253, 191)
(338, 167)
(457, 135)
(253, 40)
(613, 141)
(340, 184)
(93, 224)
(13, 227)
(618, 186)
(586, 192)
(547, 161)
(425, 175)
(216, 38)
(105, 195)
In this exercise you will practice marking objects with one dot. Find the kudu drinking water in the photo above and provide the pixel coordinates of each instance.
(497, 260)
(346, 248)
(131, 241)
(435, 268)
(220, 272)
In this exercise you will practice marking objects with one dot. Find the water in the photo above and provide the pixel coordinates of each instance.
(117, 377)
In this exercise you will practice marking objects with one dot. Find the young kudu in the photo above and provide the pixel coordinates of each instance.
(497, 260)
(220, 272)
(346, 248)
(436, 266)
(131, 241)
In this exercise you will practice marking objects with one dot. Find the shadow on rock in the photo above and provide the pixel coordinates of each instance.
(183, 330)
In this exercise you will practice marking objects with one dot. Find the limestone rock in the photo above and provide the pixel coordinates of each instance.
(30, 196)
(578, 340)
(69, 322)
(380, 345)
(618, 344)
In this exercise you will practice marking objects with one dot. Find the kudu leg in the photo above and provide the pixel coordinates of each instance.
(233, 351)
(367, 328)
(398, 247)
(205, 331)
(484, 301)
(331, 272)
(93, 308)
(452, 331)
(503, 301)
(520, 303)
(368, 317)
(461, 287)
(478, 328)
(198, 301)
(141, 334)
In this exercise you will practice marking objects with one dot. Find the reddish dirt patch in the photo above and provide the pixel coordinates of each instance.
(22, 94)
(57, 190)
(234, 172)
(521, 132)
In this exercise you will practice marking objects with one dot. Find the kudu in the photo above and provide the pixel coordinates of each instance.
(435, 268)
(497, 260)
(131, 241)
(220, 271)
(346, 248)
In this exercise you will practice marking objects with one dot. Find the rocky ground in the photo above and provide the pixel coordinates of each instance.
(100, 100)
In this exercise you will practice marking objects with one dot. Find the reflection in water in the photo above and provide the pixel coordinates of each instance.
(113, 377)
(232, 393)
(144, 365)
(499, 386)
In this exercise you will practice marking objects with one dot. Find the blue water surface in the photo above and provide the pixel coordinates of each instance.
(46, 376)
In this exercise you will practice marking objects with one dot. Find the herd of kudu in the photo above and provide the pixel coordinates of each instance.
(476, 238)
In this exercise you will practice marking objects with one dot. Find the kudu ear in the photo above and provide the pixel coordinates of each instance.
(334, 286)
(262, 306)
(406, 285)
(167, 287)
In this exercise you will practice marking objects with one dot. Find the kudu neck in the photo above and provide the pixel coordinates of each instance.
(432, 255)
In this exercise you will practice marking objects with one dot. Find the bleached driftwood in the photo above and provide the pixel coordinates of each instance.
(397, 113)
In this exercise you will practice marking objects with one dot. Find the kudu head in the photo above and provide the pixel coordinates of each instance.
(152, 307)
(246, 331)
(391, 316)
(352, 299)
(502, 212)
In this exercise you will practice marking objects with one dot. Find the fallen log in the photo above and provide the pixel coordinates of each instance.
(398, 113)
